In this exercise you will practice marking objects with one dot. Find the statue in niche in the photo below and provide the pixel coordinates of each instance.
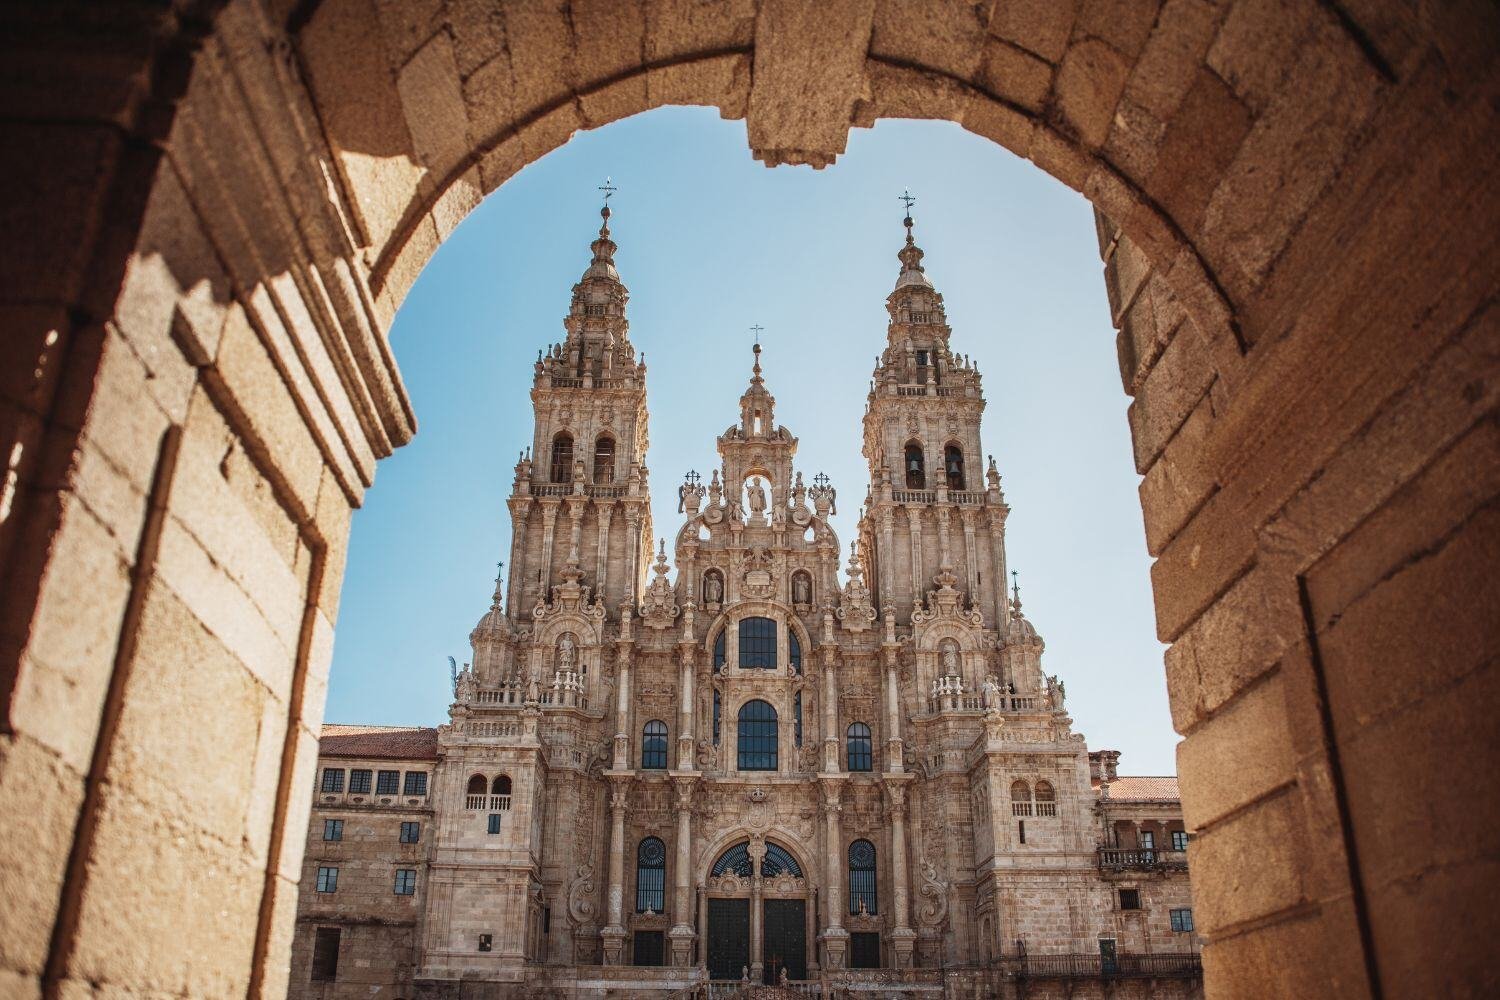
(736, 512)
(566, 652)
(950, 659)
(801, 589)
(713, 589)
(757, 497)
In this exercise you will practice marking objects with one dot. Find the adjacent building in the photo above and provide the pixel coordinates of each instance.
(727, 760)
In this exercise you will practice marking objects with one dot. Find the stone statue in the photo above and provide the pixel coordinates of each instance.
(713, 589)
(757, 494)
(736, 512)
(950, 661)
(801, 589)
(534, 683)
(992, 697)
(566, 652)
(466, 688)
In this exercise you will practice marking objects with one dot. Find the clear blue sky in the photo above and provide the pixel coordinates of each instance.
(712, 242)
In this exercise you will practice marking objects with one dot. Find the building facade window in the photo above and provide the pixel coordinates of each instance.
(797, 719)
(654, 746)
(1046, 799)
(328, 879)
(719, 652)
(561, 468)
(604, 459)
(651, 876)
(953, 466)
(325, 958)
(757, 644)
(757, 737)
(493, 826)
(858, 747)
(1179, 840)
(794, 651)
(916, 467)
(501, 785)
(387, 782)
(406, 881)
(864, 950)
(411, 833)
(1130, 899)
(649, 948)
(333, 829)
(359, 781)
(1182, 920)
(416, 783)
(863, 897)
(333, 779)
(718, 712)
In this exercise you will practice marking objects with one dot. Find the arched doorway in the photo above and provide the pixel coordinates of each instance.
(758, 913)
(1297, 223)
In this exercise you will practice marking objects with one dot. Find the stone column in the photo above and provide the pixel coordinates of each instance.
(945, 550)
(622, 691)
(614, 933)
(830, 713)
(890, 652)
(682, 933)
(835, 938)
(914, 529)
(971, 559)
(633, 556)
(575, 529)
(1000, 585)
(886, 557)
(757, 914)
(685, 709)
(520, 509)
(549, 533)
(703, 922)
(606, 509)
(902, 937)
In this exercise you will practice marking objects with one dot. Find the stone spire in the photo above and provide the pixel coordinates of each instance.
(757, 405)
(911, 260)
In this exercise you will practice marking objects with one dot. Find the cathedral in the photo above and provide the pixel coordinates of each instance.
(749, 758)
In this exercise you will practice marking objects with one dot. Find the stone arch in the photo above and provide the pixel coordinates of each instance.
(1226, 153)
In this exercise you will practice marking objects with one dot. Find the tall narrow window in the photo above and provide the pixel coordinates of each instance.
(719, 651)
(863, 897)
(654, 746)
(604, 459)
(651, 876)
(860, 752)
(757, 643)
(916, 467)
(359, 782)
(1182, 920)
(794, 650)
(797, 718)
(718, 712)
(953, 466)
(757, 737)
(406, 882)
(1179, 840)
(416, 783)
(333, 779)
(328, 879)
(561, 470)
(325, 959)
(387, 782)
(333, 829)
(411, 833)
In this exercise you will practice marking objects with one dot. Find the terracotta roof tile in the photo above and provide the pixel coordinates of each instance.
(395, 742)
(1162, 788)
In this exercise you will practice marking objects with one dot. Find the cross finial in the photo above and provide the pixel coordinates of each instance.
(757, 329)
(908, 199)
(1015, 577)
(608, 188)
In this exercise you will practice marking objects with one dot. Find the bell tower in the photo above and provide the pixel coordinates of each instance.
(931, 510)
(580, 506)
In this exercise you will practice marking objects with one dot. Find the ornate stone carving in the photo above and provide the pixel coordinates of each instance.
(934, 892)
(855, 608)
(581, 907)
(659, 609)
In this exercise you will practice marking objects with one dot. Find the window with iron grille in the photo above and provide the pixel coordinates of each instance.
(860, 752)
(1130, 899)
(1182, 920)
(757, 737)
(717, 711)
(654, 746)
(333, 829)
(864, 950)
(359, 781)
(863, 897)
(1179, 840)
(561, 470)
(328, 879)
(333, 779)
(757, 644)
(325, 959)
(387, 782)
(651, 876)
(406, 881)
(411, 833)
(416, 783)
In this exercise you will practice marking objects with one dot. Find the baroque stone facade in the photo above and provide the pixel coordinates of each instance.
(750, 767)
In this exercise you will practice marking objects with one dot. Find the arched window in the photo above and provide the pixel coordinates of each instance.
(777, 861)
(604, 459)
(861, 756)
(794, 650)
(1020, 798)
(757, 737)
(718, 710)
(477, 785)
(651, 876)
(953, 466)
(736, 859)
(862, 895)
(797, 719)
(654, 746)
(501, 785)
(916, 467)
(1046, 799)
(562, 458)
(719, 651)
(757, 643)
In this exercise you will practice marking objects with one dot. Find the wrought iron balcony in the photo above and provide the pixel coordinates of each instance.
(1120, 859)
(1187, 965)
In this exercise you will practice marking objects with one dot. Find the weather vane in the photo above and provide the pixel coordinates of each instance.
(608, 188)
(757, 329)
